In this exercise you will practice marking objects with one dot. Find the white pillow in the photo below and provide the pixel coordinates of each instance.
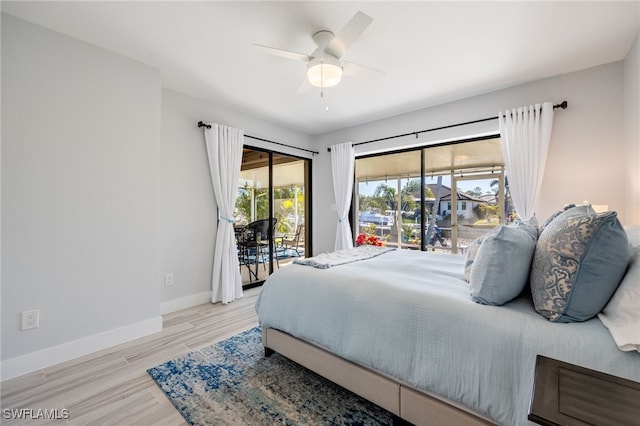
(622, 314)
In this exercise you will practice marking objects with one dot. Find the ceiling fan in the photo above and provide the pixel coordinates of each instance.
(325, 65)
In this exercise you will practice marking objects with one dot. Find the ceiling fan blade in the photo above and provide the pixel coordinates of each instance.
(356, 70)
(287, 54)
(349, 34)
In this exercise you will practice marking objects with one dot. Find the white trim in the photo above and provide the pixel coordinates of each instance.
(33, 361)
(185, 302)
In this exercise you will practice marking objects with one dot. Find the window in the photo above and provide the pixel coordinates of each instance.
(432, 198)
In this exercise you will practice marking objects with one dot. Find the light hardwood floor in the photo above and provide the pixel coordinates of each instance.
(112, 387)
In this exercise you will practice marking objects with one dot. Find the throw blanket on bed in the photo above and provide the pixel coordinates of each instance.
(340, 257)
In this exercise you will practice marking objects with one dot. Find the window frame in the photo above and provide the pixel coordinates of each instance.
(423, 150)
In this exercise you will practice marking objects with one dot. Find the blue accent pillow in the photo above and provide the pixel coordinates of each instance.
(580, 259)
(500, 270)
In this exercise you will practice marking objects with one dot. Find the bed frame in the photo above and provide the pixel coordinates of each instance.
(408, 404)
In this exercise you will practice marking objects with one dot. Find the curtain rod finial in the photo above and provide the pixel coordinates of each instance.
(202, 124)
(563, 105)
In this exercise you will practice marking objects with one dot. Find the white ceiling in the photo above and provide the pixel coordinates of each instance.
(432, 52)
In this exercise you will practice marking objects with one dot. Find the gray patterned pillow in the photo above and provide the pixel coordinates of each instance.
(579, 261)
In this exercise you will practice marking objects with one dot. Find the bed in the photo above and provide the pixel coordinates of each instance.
(400, 329)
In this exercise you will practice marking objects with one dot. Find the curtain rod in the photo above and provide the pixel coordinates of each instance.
(562, 105)
(208, 126)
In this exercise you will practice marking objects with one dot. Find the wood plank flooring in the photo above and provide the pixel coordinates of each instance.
(112, 387)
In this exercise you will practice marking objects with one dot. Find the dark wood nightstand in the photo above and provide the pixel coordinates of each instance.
(566, 395)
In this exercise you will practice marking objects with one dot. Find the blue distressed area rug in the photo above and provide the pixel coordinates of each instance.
(232, 383)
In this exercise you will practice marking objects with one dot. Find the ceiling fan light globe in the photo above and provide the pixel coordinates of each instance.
(324, 72)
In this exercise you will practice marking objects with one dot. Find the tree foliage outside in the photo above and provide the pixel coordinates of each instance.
(284, 207)
(385, 197)
(247, 196)
(476, 192)
(486, 211)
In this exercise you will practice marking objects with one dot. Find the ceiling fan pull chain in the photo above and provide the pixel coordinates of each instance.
(321, 78)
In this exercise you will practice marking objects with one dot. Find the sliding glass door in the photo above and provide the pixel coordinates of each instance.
(271, 213)
(290, 207)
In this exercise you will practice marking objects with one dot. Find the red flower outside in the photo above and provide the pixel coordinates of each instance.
(368, 239)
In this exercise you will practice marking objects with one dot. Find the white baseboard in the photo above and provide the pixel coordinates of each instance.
(33, 361)
(185, 302)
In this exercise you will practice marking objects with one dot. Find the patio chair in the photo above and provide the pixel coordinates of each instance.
(297, 242)
(253, 245)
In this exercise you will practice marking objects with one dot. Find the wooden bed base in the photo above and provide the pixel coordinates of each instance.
(406, 403)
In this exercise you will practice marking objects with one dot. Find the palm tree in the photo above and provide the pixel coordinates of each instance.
(387, 194)
(495, 186)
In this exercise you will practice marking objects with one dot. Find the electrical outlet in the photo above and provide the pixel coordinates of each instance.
(30, 319)
(168, 280)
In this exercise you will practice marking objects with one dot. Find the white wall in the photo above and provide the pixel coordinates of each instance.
(586, 158)
(80, 187)
(188, 211)
(632, 131)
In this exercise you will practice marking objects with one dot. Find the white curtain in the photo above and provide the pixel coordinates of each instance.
(342, 166)
(525, 134)
(224, 148)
